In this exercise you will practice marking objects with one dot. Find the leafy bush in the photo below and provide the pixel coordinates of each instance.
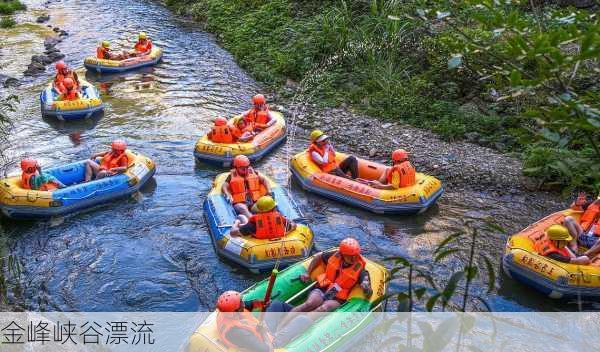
(8, 7)
(7, 22)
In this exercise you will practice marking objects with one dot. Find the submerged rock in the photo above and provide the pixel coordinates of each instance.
(42, 19)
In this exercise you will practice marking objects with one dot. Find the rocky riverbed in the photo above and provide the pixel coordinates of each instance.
(460, 165)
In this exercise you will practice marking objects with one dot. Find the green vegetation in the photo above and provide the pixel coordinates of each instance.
(7, 22)
(511, 76)
(8, 7)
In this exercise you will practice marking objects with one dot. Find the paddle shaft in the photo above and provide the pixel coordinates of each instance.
(272, 279)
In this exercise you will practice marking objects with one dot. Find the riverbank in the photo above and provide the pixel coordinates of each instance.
(372, 58)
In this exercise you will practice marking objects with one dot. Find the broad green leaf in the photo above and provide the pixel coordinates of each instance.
(447, 241)
(451, 286)
(444, 254)
(431, 302)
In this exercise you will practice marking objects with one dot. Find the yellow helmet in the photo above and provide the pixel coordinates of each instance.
(143, 35)
(318, 136)
(264, 204)
(105, 43)
(558, 233)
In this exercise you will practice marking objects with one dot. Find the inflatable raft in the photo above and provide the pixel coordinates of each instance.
(19, 203)
(552, 278)
(406, 200)
(89, 103)
(255, 149)
(331, 332)
(254, 254)
(92, 63)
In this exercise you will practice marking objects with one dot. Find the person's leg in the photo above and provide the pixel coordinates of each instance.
(295, 327)
(276, 312)
(242, 209)
(350, 164)
(592, 252)
(102, 174)
(315, 299)
(574, 230)
(91, 169)
(338, 172)
(328, 306)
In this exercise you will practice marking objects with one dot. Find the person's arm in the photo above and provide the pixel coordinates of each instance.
(582, 260)
(235, 229)
(226, 190)
(264, 181)
(318, 259)
(317, 158)
(98, 155)
(365, 282)
(247, 229)
(246, 340)
(559, 257)
(272, 119)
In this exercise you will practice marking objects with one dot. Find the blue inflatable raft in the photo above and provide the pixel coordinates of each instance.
(88, 104)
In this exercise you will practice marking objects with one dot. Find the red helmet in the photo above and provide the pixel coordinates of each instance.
(28, 164)
(241, 161)
(220, 121)
(349, 246)
(259, 99)
(399, 155)
(68, 83)
(60, 65)
(118, 145)
(229, 301)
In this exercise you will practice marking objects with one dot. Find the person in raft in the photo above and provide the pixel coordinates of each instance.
(104, 52)
(344, 269)
(70, 92)
(401, 174)
(321, 152)
(244, 186)
(259, 115)
(63, 72)
(33, 178)
(113, 162)
(555, 246)
(239, 329)
(143, 45)
(586, 232)
(266, 223)
(220, 132)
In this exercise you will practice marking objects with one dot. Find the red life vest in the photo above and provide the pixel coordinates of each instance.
(335, 273)
(143, 47)
(26, 178)
(401, 175)
(221, 134)
(258, 120)
(245, 187)
(59, 79)
(546, 247)
(245, 321)
(590, 217)
(331, 164)
(110, 161)
(102, 53)
(269, 225)
(262, 119)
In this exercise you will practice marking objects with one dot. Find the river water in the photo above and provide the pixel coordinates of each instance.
(152, 252)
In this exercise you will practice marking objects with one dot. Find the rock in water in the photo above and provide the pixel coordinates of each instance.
(42, 19)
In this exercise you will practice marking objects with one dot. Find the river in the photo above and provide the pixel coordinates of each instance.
(152, 252)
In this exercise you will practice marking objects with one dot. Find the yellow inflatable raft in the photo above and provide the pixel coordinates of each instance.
(553, 278)
(95, 64)
(331, 332)
(256, 254)
(406, 200)
(262, 144)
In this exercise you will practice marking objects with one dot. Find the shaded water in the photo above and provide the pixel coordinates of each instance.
(152, 252)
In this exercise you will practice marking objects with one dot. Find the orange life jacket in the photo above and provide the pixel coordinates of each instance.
(401, 175)
(258, 120)
(269, 225)
(70, 95)
(331, 164)
(245, 187)
(102, 53)
(246, 124)
(221, 134)
(109, 161)
(59, 79)
(345, 278)
(546, 247)
(590, 217)
(26, 178)
(143, 47)
(245, 321)
(262, 119)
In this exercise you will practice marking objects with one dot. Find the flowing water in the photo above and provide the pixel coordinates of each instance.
(152, 252)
